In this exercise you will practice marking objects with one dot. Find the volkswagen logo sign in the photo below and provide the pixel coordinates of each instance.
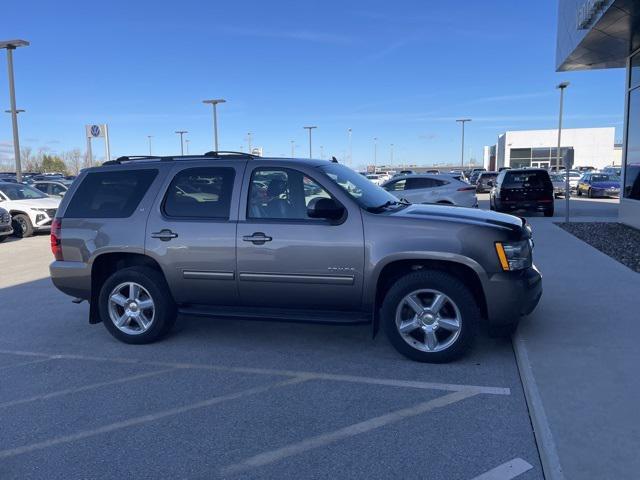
(95, 130)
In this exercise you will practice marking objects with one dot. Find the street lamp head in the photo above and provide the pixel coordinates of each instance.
(214, 101)
(17, 111)
(180, 132)
(563, 85)
(463, 120)
(310, 127)
(11, 44)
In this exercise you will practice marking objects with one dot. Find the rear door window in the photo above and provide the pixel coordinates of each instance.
(114, 194)
(416, 183)
(203, 192)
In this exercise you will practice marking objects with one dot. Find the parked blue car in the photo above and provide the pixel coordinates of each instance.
(599, 185)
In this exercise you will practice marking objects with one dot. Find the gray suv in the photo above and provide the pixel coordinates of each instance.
(233, 235)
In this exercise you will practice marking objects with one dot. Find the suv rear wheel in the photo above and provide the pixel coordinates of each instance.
(430, 316)
(136, 305)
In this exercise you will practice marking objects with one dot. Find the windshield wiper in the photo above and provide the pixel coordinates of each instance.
(387, 204)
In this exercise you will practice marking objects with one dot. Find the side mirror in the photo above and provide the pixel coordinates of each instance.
(326, 208)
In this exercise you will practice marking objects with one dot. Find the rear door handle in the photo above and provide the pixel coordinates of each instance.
(164, 235)
(258, 238)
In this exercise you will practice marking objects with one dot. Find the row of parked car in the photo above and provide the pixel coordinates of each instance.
(29, 206)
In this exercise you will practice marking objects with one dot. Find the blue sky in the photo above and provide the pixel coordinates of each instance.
(401, 71)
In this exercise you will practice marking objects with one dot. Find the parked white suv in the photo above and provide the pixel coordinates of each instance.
(441, 188)
(31, 210)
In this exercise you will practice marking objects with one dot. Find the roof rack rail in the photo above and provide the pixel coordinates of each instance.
(130, 158)
(229, 153)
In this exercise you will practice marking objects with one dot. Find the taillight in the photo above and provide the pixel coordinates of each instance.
(56, 237)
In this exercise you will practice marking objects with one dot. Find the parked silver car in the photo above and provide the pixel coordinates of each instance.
(427, 188)
(235, 235)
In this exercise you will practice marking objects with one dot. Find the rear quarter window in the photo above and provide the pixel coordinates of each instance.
(114, 194)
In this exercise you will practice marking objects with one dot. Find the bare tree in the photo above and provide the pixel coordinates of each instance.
(73, 159)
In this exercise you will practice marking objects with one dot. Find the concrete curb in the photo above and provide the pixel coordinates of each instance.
(551, 466)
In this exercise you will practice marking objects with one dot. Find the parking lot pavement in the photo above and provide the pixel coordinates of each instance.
(241, 399)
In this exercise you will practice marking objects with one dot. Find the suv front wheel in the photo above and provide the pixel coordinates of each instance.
(430, 316)
(136, 305)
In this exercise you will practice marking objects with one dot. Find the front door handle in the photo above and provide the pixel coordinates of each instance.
(164, 235)
(258, 238)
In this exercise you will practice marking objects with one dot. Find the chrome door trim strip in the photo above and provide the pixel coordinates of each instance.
(207, 275)
(298, 278)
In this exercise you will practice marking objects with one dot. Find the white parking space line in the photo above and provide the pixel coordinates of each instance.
(288, 373)
(12, 452)
(83, 388)
(506, 471)
(23, 364)
(346, 432)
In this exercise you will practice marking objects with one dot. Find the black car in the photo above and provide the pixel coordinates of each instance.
(485, 180)
(522, 189)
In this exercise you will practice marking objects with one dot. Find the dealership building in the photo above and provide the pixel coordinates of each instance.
(594, 34)
(592, 147)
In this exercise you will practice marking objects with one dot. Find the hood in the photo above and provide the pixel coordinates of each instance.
(605, 185)
(460, 214)
(48, 202)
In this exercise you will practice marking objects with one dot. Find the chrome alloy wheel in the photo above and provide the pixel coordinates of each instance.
(131, 308)
(428, 320)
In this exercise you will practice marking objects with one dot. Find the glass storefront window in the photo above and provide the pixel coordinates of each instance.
(635, 71)
(632, 170)
(524, 153)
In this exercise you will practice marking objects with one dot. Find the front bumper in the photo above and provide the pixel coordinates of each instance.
(511, 295)
(72, 278)
(6, 230)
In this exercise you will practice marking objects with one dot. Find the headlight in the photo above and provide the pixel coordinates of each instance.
(515, 255)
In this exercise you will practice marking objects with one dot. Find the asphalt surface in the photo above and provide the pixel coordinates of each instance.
(240, 399)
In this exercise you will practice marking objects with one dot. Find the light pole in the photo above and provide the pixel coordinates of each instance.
(350, 149)
(249, 141)
(310, 150)
(181, 133)
(186, 142)
(375, 154)
(293, 148)
(391, 159)
(214, 102)
(149, 137)
(462, 121)
(567, 188)
(10, 46)
(321, 152)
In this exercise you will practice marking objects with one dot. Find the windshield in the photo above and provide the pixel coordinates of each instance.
(604, 178)
(16, 191)
(365, 193)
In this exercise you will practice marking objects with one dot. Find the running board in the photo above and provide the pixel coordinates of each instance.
(332, 317)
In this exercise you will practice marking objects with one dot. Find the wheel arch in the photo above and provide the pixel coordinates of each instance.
(105, 265)
(467, 270)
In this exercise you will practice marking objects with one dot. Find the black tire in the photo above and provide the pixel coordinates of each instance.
(453, 288)
(155, 284)
(22, 226)
(3, 238)
(578, 192)
(590, 193)
(549, 212)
